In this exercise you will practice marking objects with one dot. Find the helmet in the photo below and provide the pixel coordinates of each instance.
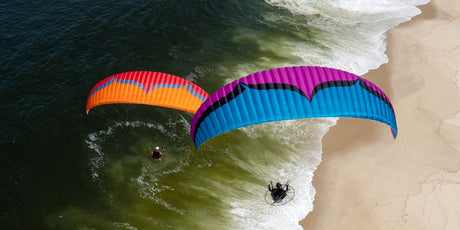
(278, 185)
(157, 148)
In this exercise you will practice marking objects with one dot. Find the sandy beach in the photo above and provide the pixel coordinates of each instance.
(367, 180)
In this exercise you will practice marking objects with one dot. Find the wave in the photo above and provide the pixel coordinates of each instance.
(348, 35)
(226, 180)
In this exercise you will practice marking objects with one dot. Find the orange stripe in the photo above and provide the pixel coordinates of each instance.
(125, 93)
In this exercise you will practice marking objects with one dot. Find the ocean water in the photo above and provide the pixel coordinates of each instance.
(63, 169)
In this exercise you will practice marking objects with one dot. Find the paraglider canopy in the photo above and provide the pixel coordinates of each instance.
(290, 93)
(149, 88)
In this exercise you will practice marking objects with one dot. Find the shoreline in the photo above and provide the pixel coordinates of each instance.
(367, 179)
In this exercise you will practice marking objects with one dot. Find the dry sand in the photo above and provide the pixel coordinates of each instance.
(366, 179)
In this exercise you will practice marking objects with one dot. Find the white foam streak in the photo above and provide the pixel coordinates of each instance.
(304, 146)
(149, 188)
(357, 29)
(147, 181)
(94, 141)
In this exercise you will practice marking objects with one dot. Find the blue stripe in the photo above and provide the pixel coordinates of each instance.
(254, 106)
(195, 93)
(100, 87)
(130, 82)
(188, 87)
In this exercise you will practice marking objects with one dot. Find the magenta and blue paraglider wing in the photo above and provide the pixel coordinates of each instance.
(290, 93)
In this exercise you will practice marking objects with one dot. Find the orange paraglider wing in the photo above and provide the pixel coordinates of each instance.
(149, 88)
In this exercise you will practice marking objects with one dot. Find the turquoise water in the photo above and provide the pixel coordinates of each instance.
(63, 169)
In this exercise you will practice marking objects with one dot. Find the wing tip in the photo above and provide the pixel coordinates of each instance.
(394, 132)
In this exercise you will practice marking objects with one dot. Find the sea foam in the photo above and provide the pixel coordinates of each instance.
(352, 37)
